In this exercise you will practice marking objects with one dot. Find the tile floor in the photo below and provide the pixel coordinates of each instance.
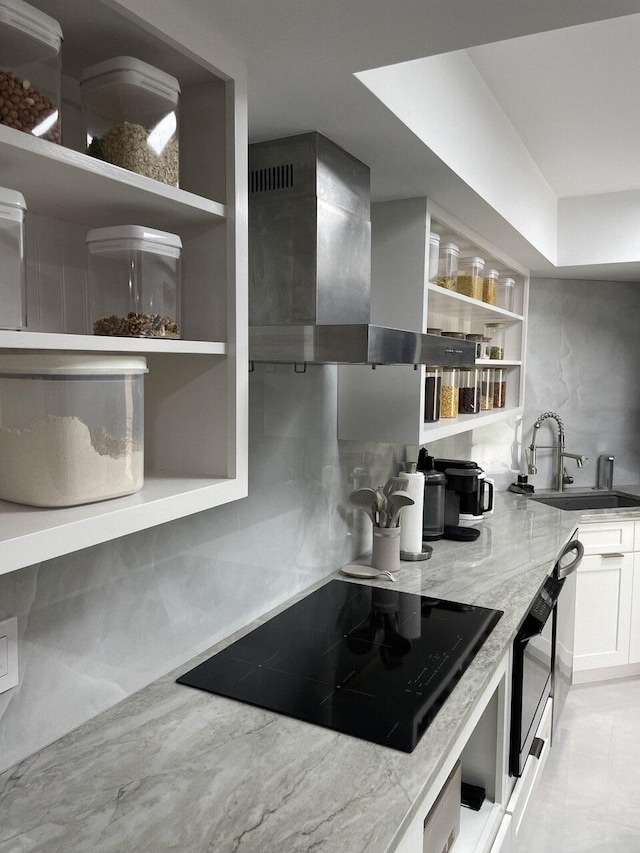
(589, 797)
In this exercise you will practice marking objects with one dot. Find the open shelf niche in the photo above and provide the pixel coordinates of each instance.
(196, 388)
(388, 404)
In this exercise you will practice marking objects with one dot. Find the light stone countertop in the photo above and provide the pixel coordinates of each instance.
(176, 769)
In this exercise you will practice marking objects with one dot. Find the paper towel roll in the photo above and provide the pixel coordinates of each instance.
(411, 516)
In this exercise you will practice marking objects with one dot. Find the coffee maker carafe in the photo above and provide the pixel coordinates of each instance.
(469, 491)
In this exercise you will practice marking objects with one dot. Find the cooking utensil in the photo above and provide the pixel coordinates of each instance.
(398, 500)
(394, 484)
(355, 571)
(366, 499)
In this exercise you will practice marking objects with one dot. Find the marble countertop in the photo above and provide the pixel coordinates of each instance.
(176, 769)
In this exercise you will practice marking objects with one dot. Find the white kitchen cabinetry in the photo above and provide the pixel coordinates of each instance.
(608, 602)
(388, 403)
(196, 389)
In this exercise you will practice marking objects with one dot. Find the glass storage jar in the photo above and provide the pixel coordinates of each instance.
(433, 385)
(499, 388)
(431, 330)
(449, 393)
(485, 347)
(469, 392)
(477, 340)
(30, 70)
(495, 331)
(458, 336)
(71, 428)
(134, 282)
(486, 396)
(130, 112)
(469, 278)
(506, 293)
(13, 314)
(490, 287)
(434, 253)
(447, 266)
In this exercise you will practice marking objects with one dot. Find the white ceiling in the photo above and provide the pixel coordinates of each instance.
(302, 54)
(573, 96)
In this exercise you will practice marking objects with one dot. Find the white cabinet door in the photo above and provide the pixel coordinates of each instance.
(502, 844)
(603, 611)
(606, 537)
(634, 639)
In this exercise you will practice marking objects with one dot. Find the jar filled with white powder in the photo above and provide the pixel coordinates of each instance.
(71, 428)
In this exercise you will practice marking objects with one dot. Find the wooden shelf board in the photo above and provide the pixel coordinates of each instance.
(478, 828)
(463, 423)
(72, 186)
(494, 362)
(30, 535)
(441, 301)
(95, 343)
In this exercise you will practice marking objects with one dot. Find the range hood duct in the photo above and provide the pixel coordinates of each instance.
(310, 263)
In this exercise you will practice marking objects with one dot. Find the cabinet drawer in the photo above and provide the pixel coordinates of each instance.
(603, 611)
(607, 537)
(502, 844)
(530, 779)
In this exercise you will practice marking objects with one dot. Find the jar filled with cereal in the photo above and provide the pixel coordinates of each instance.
(469, 280)
(490, 287)
(130, 112)
(449, 393)
(30, 70)
(447, 266)
(486, 393)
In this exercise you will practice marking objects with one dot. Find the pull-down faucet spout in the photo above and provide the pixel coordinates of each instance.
(560, 475)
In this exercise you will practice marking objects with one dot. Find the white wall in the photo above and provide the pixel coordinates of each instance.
(599, 229)
(445, 101)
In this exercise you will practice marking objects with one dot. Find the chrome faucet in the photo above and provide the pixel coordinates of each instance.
(560, 475)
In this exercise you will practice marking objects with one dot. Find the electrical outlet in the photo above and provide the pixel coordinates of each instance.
(8, 654)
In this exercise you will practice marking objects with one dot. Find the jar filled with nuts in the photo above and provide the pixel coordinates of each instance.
(134, 282)
(130, 112)
(30, 70)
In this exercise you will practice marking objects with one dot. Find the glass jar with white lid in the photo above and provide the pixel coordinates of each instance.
(506, 293)
(71, 428)
(134, 282)
(30, 70)
(447, 266)
(13, 313)
(469, 280)
(130, 112)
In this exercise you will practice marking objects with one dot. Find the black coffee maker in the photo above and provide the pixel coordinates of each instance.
(469, 492)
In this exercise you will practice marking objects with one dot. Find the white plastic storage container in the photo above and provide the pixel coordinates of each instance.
(30, 43)
(134, 282)
(71, 428)
(12, 277)
(131, 117)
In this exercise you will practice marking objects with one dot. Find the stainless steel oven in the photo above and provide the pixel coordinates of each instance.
(542, 656)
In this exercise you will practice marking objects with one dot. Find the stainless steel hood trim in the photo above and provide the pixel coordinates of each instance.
(354, 344)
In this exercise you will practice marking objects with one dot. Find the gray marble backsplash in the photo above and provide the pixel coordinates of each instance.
(99, 624)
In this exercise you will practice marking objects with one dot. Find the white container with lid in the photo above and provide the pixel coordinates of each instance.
(30, 70)
(71, 428)
(506, 293)
(13, 313)
(447, 266)
(134, 282)
(490, 287)
(434, 251)
(131, 117)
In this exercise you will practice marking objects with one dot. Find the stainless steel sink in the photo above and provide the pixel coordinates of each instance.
(598, 500)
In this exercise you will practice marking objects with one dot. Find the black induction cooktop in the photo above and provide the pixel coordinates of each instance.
(372, 663)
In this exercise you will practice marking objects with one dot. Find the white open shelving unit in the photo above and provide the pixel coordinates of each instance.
(388, 403)
(196, 407)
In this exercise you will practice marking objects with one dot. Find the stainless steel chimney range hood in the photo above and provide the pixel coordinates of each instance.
(310, 263)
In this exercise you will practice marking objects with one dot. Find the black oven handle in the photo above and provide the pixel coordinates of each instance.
(564, 571)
